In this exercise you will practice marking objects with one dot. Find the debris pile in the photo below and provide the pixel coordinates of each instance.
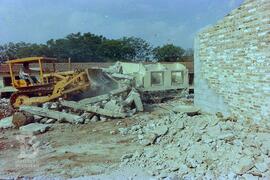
(200, 146)
(119, 103)
(5, 108)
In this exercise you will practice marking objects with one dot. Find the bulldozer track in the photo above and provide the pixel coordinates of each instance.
(30, 93)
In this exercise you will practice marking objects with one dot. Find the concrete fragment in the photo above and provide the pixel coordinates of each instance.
(120, 90)
(183, 169)
(43, 120)
(50, 121)
(37, 118)
(113, 106)
(87, 121)
(180, 125)
(244, 164)
(262, 167)
(54, 105)
(95, 99)
(46, 105)
(148, 139)
(190, 110)
(94, 119)
(103, 97)
(93, 109)
(6, 123)
(34, 128)
(160, 130)
(86, 115)
(103, 118)
(134, 96)
(61, 116)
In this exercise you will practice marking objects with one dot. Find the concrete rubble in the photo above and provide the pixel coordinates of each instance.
(5, 108)
(34, 129)
(60, 116)
(6, 123)
(202, 146)
(118, 103)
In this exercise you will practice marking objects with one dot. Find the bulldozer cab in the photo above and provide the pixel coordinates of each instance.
(29, 72)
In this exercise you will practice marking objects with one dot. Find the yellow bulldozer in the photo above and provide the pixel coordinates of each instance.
(47, 84)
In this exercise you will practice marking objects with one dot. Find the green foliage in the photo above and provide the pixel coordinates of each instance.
(90, 47)
(142, 50)
(168, 52)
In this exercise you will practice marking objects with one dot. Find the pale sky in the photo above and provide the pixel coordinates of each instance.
(157, 21)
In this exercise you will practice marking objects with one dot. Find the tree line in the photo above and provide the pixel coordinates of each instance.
(90, 47)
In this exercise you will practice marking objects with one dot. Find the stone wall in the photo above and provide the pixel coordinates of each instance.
(232, 65)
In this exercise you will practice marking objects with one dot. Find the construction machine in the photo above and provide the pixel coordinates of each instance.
(38, 81)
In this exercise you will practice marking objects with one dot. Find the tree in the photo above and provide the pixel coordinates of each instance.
(115, 50)
(142, 49)
(79, 47)
(168, 52)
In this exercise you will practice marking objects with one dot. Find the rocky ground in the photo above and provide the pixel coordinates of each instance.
(65, 150)
(202, 147)
(158, 143)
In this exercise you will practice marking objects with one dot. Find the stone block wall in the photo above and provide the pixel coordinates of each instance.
(232, 63)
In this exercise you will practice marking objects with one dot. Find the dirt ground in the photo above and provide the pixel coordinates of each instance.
(67, 150)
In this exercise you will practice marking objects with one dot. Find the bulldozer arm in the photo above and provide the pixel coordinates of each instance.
(88, 83)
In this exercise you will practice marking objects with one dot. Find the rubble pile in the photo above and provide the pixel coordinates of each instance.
(119, 103)
(209, 146)
(5, 108)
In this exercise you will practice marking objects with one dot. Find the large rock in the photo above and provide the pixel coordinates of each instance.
(6, 123)
(34, 128)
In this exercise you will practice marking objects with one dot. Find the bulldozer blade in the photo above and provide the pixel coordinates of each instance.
(101, 83)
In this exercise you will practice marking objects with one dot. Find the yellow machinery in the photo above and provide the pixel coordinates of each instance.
(48, 86)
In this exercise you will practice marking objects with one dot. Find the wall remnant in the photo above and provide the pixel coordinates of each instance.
(232, 63)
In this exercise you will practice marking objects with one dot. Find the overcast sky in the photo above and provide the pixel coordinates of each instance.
(157, 21)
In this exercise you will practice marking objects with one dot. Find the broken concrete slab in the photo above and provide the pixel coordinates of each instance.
(190, 110)
(93, 100)
(93, 109)
(134, 96)
(6, 123)
(34, 128)
(113, 106)
(60, 116)
(104, 97)
(119, 90)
